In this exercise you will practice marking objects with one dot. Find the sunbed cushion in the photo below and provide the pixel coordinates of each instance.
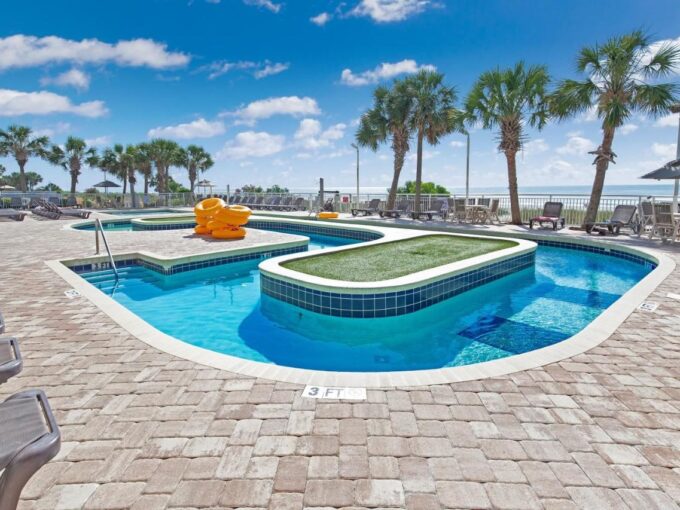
(22, 422)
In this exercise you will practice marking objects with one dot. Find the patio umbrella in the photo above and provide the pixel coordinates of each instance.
(6, 187)
(670, 170)
(205, 184)
(106, 185)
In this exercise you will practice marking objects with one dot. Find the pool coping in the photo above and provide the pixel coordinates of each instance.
(597, 331)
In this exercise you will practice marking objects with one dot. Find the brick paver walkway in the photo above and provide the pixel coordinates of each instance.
(143, 429)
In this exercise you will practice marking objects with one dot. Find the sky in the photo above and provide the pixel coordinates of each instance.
(274, 89)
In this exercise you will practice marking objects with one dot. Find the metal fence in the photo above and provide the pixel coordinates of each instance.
(530, 204)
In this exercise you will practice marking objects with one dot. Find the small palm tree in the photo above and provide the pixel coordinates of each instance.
(164, 154)
(389, 118)
(18, 142)
(621, 79)
(510, 99)
(195, 159)
(431, 116)
(72, 157)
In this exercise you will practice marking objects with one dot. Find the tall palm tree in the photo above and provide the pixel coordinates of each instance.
(431, 116)
(388, 118)
(72, 157)
(195, 159)
(510, 99)
(18, 142)
(621, 79)
(164, 154)
(144, 164)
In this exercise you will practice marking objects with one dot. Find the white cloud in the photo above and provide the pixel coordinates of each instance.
(251, 144)
(15, 102)
(670, 120)
(320, 19)
(71, 78)
(627, 129)
(576, 145)
(98, 141)
(58, 128)
(257, 69)
(536, 146)
(386, 11)
(665, 150)
(384, 71)
(310, 134)
(18, 51)
(457, 144)
(266, 108)
(199, 128)
(267, 4)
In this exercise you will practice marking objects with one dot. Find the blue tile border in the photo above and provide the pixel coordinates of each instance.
(599, 250)
(390, 304)
(305, 228)
(187, 266)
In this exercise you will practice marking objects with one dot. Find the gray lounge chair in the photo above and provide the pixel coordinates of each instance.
(436, 209)
(30, 439)
(67, 211)
(402, 208)
(10, 358)
(621, 218)
(552, 213)
(12, 214)
(299, 204)
(373, 206)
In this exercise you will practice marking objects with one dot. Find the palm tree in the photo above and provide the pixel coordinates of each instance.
(388, 118)
(72, 156)
(17, 142)
(195, 159)
(164, 154)
(144, 164)
(621, 79)
(431, 115)
(510, 99)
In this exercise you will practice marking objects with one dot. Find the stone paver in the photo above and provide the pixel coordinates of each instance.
(145, 430)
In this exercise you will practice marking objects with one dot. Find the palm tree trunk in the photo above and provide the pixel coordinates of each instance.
(133, 197)
(398, 165)
(600, 173)
(515, 213)
(22, 175)
(74, 182)
(124, 187)
(419, 169)
(192, 180)
(146, 184)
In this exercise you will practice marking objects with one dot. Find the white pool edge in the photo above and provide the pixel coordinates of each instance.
(591, 336)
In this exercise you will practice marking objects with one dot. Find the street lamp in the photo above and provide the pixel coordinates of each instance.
(467, 168)
(675, 108)
(357, 148)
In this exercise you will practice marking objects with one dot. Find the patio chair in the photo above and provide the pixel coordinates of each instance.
(437, 208)
(299, 204)
(12, 214)
(621, 218)
(373, 207)
(646, 219)
(486, 202)
(11, 361)
(402, 208)
(552, 213)
(492, 214)
(30, 439)
(665, 224)
(460, 212)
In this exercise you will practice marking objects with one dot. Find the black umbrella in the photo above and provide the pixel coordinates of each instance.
(670, 170)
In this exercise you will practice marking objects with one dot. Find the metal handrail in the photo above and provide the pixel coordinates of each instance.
(99, 227)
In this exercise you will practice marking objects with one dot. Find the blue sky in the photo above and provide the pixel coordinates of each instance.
(273, 89)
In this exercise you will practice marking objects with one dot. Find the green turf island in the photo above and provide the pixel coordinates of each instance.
(390, 260)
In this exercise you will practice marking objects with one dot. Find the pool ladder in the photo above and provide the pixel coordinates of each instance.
(99, 228)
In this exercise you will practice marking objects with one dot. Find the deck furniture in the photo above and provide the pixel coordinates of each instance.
(66, 211)
(621, 218)
(437, 208)
(11, 361)
(492, 213)
(666, 224)
(402, 208)
(299, 204)
(12, 214)
(30, 439)
(646, 219)
(285, 204)
(552, 214)
(458, 210)
(272, 204)
(373, 207)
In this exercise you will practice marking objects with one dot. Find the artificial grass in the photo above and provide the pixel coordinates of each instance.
(394, 259)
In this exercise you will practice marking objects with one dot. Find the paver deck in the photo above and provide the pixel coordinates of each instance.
(145, 430)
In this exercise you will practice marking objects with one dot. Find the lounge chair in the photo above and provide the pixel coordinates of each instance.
(67, 211)
(373, 206)
(46, 212)
(257, 203)
(285, 204)
(622, 218)
(12, 214)
(10, 358)
(72, 201)
(402, 208)
(272, 204)
(437, 208)
(552, 213)
(30, 439)
(299, 204)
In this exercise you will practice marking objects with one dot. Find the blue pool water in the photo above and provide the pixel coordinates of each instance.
(221, 309)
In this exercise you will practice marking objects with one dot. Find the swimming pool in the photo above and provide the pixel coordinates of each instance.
(221, 309)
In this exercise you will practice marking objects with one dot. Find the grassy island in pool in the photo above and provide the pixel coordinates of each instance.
(394, 259)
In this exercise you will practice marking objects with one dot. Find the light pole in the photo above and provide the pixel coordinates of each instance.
(676, 109)
(467, 168)
(357, 148)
